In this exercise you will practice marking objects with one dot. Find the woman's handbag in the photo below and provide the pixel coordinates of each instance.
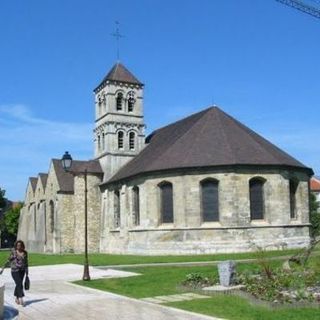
(27, 283)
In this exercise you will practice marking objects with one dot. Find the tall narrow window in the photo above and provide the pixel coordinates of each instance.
(256, 199)
(99, 143)
(117, 209)
(293, 185)
(210, 200)
(120, 139)
(119, 100)
(131, 101)
(136, 205)
(51, 216)
(166, 202)
(103, 141)
(99, 105)
(132, 140)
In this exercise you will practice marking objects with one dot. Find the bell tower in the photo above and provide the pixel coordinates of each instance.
(119, 125)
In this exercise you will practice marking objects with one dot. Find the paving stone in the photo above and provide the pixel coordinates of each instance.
(52, 297)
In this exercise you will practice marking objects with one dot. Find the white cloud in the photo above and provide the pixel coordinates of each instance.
(28, 143)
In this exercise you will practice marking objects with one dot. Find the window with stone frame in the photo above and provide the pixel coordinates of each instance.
(166, 202)
(120, 139)
(131, 101)
(209, 200)
(119, 101)
(136, 205)
(256, 191)
(51, 216)
(132, 138)
(293, 186)
(99, 142)
(99, 105)
(103, 141)
(117, 209)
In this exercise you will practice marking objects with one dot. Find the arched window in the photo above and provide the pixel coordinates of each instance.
(103, 141)
(166, 202)
(210, 200)
(132, 137)
(293, 185)
(256, 186)
(119, 100)
(120, 139)
(136, 205)
(117, 209)
(131, 101)
(99, 143)
(99, 105)
(51, 216)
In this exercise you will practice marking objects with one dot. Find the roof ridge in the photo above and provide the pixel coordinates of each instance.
(188, 129)
(222, 128)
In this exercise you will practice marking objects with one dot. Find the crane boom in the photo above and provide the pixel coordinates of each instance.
(302, 6)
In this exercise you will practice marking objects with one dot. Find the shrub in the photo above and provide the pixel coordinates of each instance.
(196, 279)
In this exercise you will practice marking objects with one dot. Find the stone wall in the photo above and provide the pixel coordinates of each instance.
(52, 221)
(234, 232)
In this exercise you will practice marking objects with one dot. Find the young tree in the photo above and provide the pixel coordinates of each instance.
(10, 221)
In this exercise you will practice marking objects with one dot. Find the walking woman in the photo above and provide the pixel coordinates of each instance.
(18, 260)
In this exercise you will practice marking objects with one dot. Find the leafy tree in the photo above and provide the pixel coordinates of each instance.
(2, 198)
(10, 220)
(314, 216)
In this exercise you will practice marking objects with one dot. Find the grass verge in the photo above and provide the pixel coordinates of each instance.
(100, 259)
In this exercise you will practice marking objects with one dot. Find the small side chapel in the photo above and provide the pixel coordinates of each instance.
(204, 184)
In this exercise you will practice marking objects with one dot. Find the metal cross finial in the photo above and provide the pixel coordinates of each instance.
(117, 35)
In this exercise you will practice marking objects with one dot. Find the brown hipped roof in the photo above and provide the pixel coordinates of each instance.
(66, 179)
(119, 73)
(210, 138)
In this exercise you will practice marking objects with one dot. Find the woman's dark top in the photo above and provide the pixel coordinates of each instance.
(17, 261)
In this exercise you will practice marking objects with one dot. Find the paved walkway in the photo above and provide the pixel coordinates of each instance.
(51, 298)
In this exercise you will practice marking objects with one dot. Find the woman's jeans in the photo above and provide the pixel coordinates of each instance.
(18, 279)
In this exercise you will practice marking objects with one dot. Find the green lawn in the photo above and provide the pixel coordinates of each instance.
(237, 308)
(155, 281)
(36, 259)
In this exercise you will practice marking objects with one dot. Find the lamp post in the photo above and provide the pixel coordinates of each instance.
(66, 162)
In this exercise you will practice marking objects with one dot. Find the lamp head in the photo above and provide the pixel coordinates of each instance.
(66, 161)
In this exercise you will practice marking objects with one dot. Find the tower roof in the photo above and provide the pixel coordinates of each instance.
(119, 73)
(210, 138)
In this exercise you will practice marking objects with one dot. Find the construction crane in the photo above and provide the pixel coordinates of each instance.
(304, 6)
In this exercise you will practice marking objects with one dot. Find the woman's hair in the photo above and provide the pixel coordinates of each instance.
(21, 243)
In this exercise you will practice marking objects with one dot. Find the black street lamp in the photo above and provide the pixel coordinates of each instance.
(66, 162)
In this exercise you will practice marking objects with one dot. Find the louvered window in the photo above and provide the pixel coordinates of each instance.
(136, 206)
(131, 101)
(256, 199)
(210, 200)
(293, 207)
(120, 139)
(119, 100)
(117, 209)
(166, 197)
(131, 140)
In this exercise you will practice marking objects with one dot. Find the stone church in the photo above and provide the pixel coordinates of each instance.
(204, 184)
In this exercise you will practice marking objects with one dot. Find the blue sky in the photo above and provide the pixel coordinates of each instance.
(258, 60)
